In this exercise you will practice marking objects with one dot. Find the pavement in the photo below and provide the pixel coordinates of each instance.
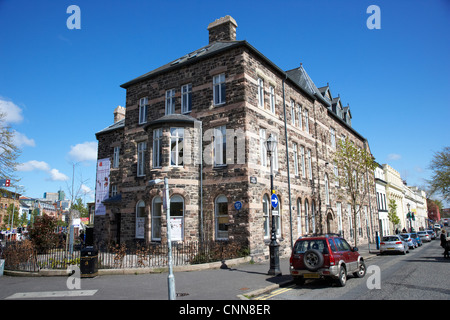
(237, 280)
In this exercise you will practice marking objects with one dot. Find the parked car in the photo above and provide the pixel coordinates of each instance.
(412, 242)
(327, 256)
(417, 238)
(424, 236)
(432, 234)
(393, 243)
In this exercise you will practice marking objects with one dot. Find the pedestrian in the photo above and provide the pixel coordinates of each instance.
(443, 238)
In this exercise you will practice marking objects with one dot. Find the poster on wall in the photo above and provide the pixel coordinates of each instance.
(102, 186)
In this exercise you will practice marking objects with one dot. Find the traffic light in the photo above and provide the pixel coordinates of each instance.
(7, 183)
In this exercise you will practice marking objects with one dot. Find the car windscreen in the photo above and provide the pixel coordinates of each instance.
(304, 245)
(405, 236)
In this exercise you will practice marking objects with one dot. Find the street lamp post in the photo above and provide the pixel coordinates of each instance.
(409, 217)
(170, 277)
(273, 246)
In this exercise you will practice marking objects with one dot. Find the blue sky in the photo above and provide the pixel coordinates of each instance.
(60, 86)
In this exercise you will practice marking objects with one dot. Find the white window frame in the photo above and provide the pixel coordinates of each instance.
(142, 148)
(170, 102)
(293, 112)
(156, 218)
(306, 120)
(219, 89)
(310, 175)
(275, 153)
(220, 146)
(143, 104)
(302, 159)
(140, 218)
(272, 99)
(295, 149)
(177, 136)
(157, 148)
(116, 159)
(186, 98)
(260, 93)
(333, 137)
(300, 120)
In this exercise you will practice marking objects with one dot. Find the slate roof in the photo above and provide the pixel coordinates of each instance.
(119, 124)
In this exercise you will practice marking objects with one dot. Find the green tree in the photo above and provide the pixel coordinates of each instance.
(355, 167)
(392, 213)
(440, 179)
(80, 207)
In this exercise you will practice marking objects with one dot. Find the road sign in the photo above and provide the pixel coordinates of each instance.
(238, 205)
(5, 183)
(275, 213)
(274, 200)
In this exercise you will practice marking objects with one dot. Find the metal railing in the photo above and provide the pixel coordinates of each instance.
(22, 256)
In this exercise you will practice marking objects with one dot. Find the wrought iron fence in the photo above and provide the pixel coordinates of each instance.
(22, 256)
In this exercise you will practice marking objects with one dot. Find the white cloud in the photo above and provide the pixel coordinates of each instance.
(21, 140)
(13, 113)
(394, 156)
(55, 175)
(32, 165)
(86, 151)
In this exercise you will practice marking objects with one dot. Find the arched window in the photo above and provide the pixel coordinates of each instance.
(266, 203)
(140, 220)
(299, 216)
(156, 218)
(177, 217)
(327, 190)
(306, 216)
(221, 217)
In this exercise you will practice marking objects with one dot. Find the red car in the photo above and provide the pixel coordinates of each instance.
(326, 256)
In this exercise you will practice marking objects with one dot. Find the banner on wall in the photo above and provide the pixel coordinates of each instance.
(102, 186)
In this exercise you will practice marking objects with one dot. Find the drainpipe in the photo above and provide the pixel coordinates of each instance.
(287, 160)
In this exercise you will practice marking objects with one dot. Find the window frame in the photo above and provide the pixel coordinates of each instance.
(219, 89)
(186, 98)
(170, 102)
(143, 106)
(141, 150)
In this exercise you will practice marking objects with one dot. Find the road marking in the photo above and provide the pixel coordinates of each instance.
(275, 293)
(52, 294)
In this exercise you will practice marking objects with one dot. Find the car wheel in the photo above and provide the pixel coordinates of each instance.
(313, 259)
(362, 270)
(342, 280)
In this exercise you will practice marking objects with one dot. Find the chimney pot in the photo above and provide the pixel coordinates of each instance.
(223, 29)
(119, 113)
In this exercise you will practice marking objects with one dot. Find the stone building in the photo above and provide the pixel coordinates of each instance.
(202, 121)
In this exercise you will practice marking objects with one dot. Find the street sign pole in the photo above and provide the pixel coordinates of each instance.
(274, 247)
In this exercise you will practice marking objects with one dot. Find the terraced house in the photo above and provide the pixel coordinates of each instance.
(202, 121)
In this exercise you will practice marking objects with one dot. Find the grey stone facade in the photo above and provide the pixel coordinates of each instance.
(239, 173)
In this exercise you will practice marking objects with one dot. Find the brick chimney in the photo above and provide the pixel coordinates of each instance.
(223, 29)
(119, 113)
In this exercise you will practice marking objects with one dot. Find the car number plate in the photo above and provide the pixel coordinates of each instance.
(311, 275)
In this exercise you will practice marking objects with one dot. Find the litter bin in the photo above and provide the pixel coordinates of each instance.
(88, 262)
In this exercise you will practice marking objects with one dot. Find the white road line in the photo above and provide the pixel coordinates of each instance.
(52, 294)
